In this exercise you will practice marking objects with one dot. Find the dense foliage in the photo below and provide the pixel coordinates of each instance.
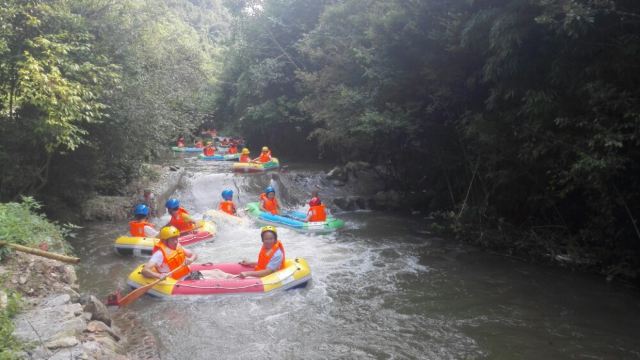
(518, 114)
(89, 89)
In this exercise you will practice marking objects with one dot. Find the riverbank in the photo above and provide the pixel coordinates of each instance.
(55, 321)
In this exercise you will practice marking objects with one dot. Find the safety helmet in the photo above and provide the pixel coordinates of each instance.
(269, 189)
(172, 204)
(209, 143)
(269, 228)
(227, 194)
(141, 209)
(315, 202)
(245, 151)
(264, 148)
(168, 232)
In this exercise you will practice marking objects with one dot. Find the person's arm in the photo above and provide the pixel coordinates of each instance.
(248, 263)
(235, 210)
(150, 232)
(262, 205)
(273, 266)
(149, 268)
(260, 273)
(190, 257)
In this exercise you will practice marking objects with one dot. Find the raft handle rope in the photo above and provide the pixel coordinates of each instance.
(237, 287)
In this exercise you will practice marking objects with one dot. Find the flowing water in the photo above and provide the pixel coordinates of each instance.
(383, 288)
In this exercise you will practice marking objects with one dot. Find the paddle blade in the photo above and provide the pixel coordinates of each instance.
(136, 294)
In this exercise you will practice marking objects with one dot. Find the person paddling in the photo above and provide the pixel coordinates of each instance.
(140, 225)
(227, 204)
(244, 156)
(179, 216)
(168, 255)
(268, 201)
(271, 257)
(316, 211)
(265, 155)
(209, 150)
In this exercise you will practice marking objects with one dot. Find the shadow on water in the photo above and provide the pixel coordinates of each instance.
(382, 288)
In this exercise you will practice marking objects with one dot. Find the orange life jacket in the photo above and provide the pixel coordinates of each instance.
(173, 259)
(244, 158)
(228, 207)
(177, 220)
(265, 156)
(136, 228)
(265, 256)
(233, 150)
(208, 151)
(271, 205)
(317, 213)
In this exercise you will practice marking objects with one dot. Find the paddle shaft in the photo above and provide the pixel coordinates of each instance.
(50, 255)
(137, 293)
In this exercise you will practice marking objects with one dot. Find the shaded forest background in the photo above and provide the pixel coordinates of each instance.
(517, 121)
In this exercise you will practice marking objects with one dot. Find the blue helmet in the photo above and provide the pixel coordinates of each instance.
(227, 194)
(269, 189)
(172, 204)
(141, 209)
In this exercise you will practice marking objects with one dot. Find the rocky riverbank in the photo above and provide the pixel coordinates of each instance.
(57, 322)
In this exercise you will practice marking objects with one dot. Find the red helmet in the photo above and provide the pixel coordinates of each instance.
(315, 202)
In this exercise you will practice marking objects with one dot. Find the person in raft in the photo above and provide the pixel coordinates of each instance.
(268, 201)
(169, 255)
(140, 225)
(198, 143)
(265, 156)
(271, 256)
(209, 150)
(316, 211)
(180, 142)
(227, 204)
(233, 148)
(244, 156)
(180, 218)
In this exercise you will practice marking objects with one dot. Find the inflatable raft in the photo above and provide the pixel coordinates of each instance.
(296, 274)
(186, 149)
(218, 157)
(295, 220)
(142, 246)
(256, 167)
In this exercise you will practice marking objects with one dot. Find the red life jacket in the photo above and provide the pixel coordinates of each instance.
(177, 220)
(228, 207)
(271, 205)
(265, 156)
(173, 259)
(317, 213)
(136, 228)
(208, 151)
(265, 256)
(244, 158)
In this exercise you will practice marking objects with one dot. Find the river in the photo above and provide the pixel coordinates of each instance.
(383, 288)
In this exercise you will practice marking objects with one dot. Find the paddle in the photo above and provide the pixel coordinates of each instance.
(137, 293)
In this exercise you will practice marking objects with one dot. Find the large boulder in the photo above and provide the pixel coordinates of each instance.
(97, 309)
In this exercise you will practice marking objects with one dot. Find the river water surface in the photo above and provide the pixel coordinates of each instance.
(383, 288)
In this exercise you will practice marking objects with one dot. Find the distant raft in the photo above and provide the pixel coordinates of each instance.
(253, 167)
(295, 274)
(219, 157)
(186, 149)
(142, 246)
(295, 220)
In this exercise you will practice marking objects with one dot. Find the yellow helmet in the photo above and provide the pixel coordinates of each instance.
(245, 151)
(268, 228)
(209, 142)
(168, 232)
(264, 148)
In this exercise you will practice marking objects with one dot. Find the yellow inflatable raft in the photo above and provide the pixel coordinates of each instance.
(142, 246)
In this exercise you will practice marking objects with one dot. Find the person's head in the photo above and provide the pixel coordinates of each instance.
(265, 149)
(172, 205)
(141, 211)
(270, 192)
(314, 193)
(245, 151)
(227, 194)
(269, 236)
(315, 202)
(169, 236)
(147, 192)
